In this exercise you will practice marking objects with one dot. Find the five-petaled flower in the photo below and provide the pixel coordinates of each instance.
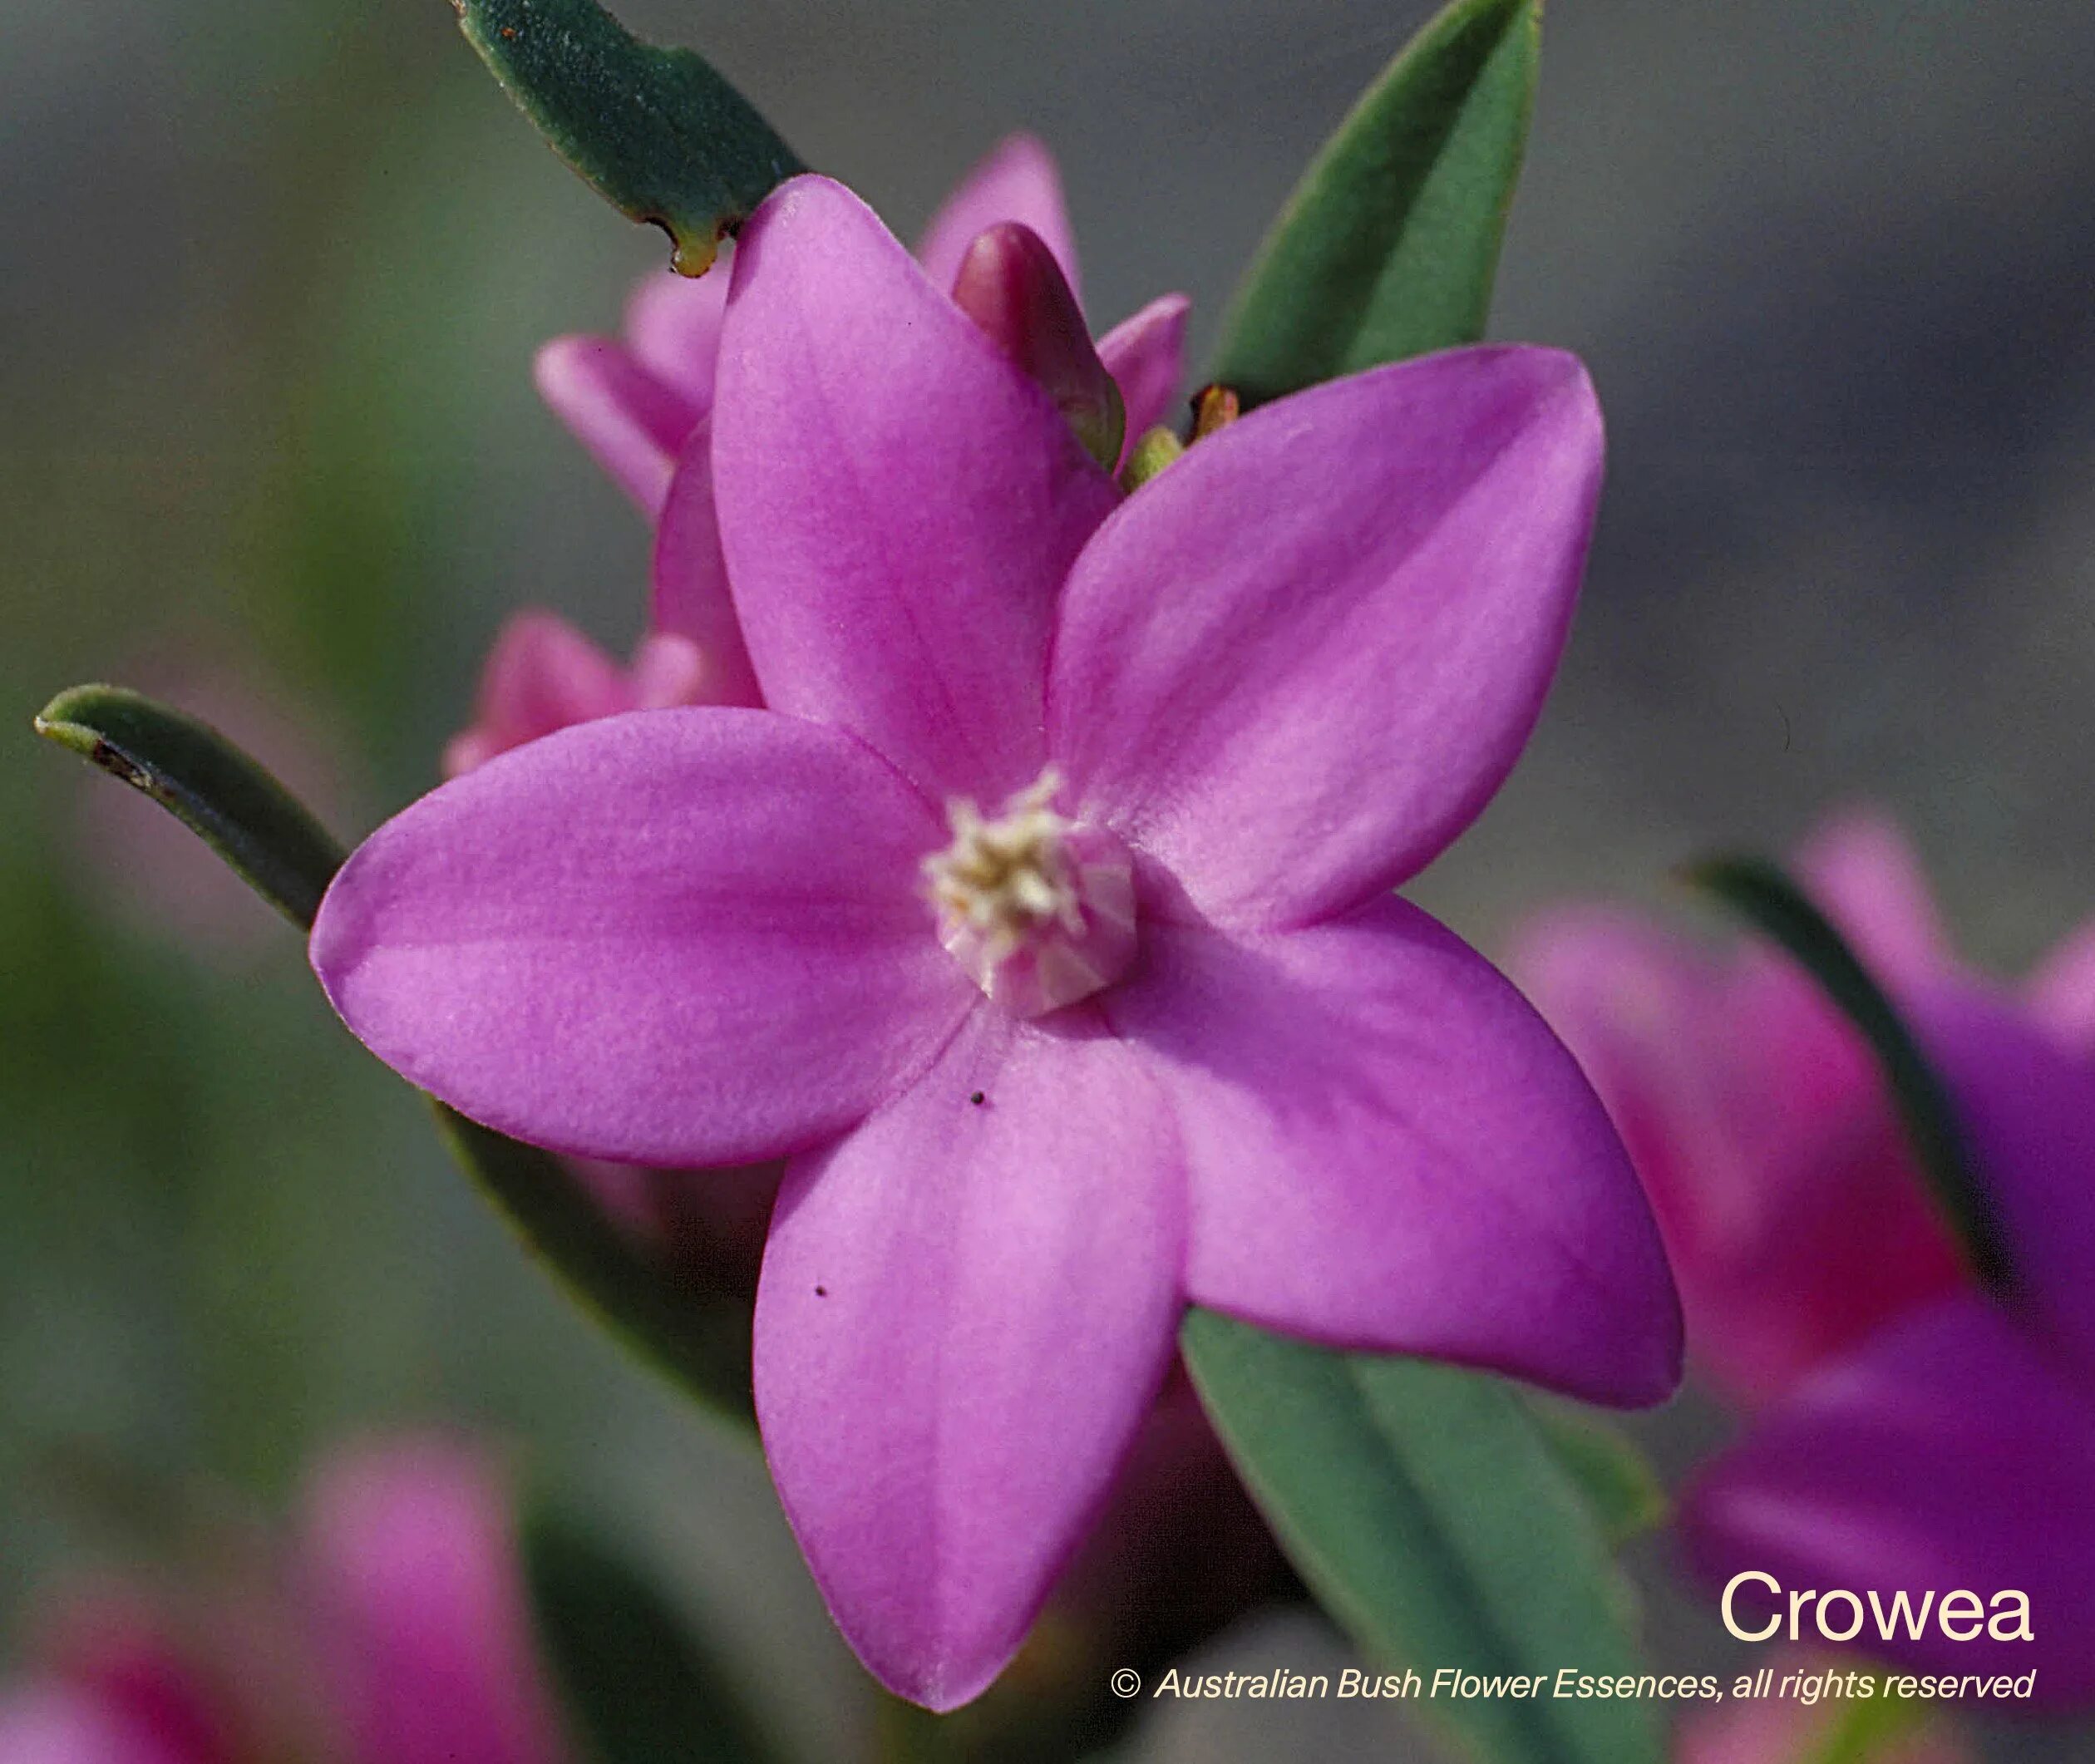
(1200, 732)
(1918, 1435)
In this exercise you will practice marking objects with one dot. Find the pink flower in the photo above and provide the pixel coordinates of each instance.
(1920, 1435)
(636, 402)
(642, 405)
(1043, 920)
(393, 1630)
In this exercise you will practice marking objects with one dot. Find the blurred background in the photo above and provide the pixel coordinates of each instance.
(272, 277)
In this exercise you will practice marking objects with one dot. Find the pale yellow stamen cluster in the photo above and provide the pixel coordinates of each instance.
(1003, 879)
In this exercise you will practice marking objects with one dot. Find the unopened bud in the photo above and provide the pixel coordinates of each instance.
(1011, 286)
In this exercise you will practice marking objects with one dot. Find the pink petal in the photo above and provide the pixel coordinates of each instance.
(1019, 181)
(1298, 663)
(1866, 877)
(1793, 1212)
(632, 423)
(1388, 1151)
(419, 1609)
(899, 501)
(541, 675)
(2062, 992)
(1147, 355)
(966, 1309)
(1951, 1452)
(687, 937)
(2027, 1107)
(672, 328)
(691, 597)
(53, 1724)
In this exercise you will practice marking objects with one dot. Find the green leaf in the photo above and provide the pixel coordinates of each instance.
(1619, 1485)
(267, 836)
(636, 1680)
(699, 1338)
(1762, 894)
(1388, 246)
(1428, 1513)
(656, 132)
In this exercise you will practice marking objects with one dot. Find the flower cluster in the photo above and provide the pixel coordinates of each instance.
(1183, 1045)
(1909, 1430)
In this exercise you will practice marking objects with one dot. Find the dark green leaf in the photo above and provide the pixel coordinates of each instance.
(1619, 1485)
(639, 1686)
(656, 132)
(267, 837)
(1388, 246)
(1428, 1513)
(1761, 893)
(698, 1337)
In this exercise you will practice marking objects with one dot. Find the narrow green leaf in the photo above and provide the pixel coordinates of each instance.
(264, 833)
(637, 1682)
(1619, 1486)
(656, 132)
(1426, 1511)
(1388, 246)
(699, 1338)
(1765, 898)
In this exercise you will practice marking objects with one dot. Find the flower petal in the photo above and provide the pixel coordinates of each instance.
(1793, 1215)
(966, 1309)
(2027, 1107)
(1146, 356)
(683, 936)
(689, 575)
(1017, 181)
(1864, 874)
(1385, 1150)
(898, 502)
(1298, 663)
(631, 422)
(672, 328)
(1950, 1452)
(419, 1608)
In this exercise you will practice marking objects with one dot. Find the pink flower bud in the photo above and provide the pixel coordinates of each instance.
(1010, 285)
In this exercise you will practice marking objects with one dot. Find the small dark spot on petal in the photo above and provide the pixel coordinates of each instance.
(977, 1098)
(821, 1292)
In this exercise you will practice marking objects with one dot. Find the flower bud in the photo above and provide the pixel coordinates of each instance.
(1011, 286)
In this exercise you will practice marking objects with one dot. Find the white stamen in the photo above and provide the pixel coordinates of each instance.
(1039, 910)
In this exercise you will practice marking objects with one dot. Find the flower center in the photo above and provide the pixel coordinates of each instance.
(1039, 910)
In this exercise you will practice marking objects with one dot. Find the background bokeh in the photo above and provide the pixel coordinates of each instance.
(271, 272)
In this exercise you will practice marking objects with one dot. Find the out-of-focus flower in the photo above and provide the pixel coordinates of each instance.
(1920, 1435)
(391, 1628)
(1136, 1021)
(544, 675)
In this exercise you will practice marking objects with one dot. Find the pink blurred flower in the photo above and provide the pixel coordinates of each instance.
(642, 404)
(1159, 1032)
(1919, 1434)
(393, 1630)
